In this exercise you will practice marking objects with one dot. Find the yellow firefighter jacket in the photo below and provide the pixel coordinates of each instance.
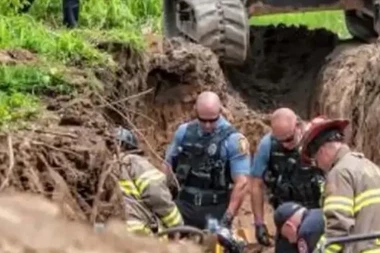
(352, 202)
(148, 200)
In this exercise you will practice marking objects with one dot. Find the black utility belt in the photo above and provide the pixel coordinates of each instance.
(204, 199)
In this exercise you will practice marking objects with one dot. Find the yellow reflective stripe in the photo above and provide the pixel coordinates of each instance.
(173, 218)
(339, 200)
(339, 203)
(371, 251)
(147, 177)
(128, 188)
(137, 226)
(367, 198)
(338, 207)
(332, 248)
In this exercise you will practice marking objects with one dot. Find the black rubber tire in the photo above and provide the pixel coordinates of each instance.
(225, 30)
(169, 19)
(221, 25)
(360, 27)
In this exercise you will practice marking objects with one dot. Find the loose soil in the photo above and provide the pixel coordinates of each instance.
(349, 87)
(70, 156)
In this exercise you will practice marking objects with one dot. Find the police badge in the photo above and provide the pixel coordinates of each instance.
(211, 149)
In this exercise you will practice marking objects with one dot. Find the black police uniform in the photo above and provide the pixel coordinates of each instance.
(288, 180)
(309, 231)
(205, 179)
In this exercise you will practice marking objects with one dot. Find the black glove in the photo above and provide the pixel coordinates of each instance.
(226, 220)
(262, 235)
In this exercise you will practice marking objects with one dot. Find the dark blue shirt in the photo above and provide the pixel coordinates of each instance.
(310, 231)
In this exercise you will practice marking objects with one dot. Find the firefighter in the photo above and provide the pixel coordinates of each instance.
(148, 200)
(277, 166)
(351, 195)
(211, 161)
(299, 225)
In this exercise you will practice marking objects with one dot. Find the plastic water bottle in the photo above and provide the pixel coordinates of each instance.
(212, 225)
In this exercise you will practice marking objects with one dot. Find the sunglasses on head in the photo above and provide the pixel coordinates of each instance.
(208, 120)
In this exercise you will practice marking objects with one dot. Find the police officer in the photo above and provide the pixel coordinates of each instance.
(209, 156)
(70, 10)
(351, 193)
(277, 165)
(302, 227)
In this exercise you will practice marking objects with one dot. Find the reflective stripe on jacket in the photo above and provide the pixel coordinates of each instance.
(352, 202)
(147, 195)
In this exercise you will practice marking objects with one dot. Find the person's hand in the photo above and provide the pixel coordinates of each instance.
(226, 220)
(262, 235)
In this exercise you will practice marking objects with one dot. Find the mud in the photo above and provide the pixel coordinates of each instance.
(349, 87)
(282, 67)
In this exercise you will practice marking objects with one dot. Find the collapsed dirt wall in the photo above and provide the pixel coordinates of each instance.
(349, 87)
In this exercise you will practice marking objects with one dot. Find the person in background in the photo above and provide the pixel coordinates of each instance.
(70, 9)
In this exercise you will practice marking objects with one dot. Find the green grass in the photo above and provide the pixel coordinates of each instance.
(330, 20)
(41, 32)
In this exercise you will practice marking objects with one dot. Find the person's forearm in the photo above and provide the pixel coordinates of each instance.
(237, 196)
(257, 200)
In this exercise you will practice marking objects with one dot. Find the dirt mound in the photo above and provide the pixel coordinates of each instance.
(167, 90)
(282, 67)
(69, 161)
(32, 224)
(349, 86)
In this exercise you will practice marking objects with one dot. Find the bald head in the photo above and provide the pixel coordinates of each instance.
(283, 123)
(283, 114)
(208, 108)
(208, 102)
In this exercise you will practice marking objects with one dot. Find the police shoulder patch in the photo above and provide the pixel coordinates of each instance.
(243, 145)
(302, 246)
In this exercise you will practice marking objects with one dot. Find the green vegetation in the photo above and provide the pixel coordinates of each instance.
(56, 48)
(330, 20)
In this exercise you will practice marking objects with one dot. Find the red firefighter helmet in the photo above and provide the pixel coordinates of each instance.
(314, 128)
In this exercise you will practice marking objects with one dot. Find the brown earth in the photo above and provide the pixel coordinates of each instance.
(68, 155)
(349, 87)
(33, 224)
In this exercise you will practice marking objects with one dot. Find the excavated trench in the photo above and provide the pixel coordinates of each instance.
(69, 157)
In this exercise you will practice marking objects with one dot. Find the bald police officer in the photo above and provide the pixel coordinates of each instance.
(277, 165)
(302, 227)
(211, 161)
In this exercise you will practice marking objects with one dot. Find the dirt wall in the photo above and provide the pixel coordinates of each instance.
(349, 87)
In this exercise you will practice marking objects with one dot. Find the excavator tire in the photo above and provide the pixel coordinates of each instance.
(221, 25)
(360, 26)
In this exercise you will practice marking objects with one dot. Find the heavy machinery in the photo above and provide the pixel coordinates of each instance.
(223, 25)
